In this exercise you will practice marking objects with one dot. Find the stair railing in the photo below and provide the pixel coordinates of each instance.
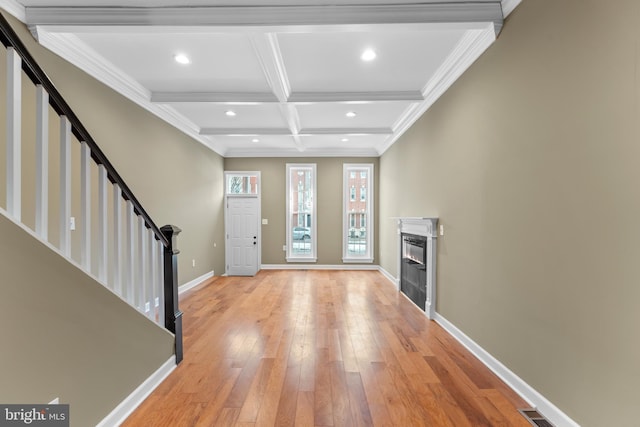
(142, 266)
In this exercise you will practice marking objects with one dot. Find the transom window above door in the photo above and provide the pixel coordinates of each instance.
(241, 183)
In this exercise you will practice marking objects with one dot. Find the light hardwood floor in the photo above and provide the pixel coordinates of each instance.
(321, 348)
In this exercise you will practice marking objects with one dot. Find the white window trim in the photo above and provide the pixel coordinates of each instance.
(227, 174)
(368, 256)
(312, 257)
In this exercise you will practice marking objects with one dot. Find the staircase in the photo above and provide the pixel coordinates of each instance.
(116, 242)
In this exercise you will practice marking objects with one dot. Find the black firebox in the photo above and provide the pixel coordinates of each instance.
(413, 269)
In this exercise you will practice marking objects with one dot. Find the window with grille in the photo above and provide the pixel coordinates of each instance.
(357, 213)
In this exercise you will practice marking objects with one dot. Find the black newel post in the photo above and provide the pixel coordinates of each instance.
(172, 314)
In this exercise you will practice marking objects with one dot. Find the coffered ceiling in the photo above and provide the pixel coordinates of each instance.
(276, 78)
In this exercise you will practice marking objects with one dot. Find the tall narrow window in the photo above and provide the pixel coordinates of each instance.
(301, 213)
(357, 241)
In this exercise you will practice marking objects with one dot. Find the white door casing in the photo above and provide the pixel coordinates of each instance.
(242, 223)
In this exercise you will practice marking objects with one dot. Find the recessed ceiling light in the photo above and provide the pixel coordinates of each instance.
(368, 55)
(351, 114)
(345, 140)
(255, 140)
(181, 58)
(230, 113)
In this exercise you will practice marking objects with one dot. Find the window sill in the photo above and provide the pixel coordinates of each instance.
(302, 259)
(357, 260)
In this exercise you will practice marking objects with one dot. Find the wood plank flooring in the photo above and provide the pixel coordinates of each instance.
(321, 348)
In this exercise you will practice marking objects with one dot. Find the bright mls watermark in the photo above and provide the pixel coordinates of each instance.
(34, 415)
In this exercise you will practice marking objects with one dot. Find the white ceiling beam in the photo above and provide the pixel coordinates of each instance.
(294, 98)
(302, 132)
(444, 12)
(269, 56)
(215, 97)
(351, 97)
(245, 131)
(290, 113)
(345, 131)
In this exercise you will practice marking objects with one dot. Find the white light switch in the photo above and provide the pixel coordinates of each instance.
(72, 223)
(441, 230)
(265, 221)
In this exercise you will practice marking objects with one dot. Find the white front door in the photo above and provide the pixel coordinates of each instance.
(243, 240)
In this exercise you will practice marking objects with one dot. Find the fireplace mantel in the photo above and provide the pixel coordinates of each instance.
(427, 227)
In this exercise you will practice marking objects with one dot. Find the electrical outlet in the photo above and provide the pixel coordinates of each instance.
(265, 221)
(441, 229)
(72, 223)
(193, 263)
(284, 248)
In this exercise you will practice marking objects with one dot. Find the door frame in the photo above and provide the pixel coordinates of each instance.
(228, 196)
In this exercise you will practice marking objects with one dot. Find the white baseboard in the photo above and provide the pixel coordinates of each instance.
(389, 276)
(528, 393)
(128, 405)
(318, 267)
(195, 282)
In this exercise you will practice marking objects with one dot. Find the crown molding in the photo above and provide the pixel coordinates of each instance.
(479, 11)
(219, 97)
(15, 9)
(313, 97)
(470, 47)
(82, 56)
(508, 6)
(298, 152)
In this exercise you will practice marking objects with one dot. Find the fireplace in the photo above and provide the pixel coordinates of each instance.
(417, 264)
(413, 269)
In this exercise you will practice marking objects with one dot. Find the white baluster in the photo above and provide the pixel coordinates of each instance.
(14, 134)
(42, 162)
(151, 278)
(117, 240)
(131, 248)
(85, 203)
(102, 223)
(65, 186)
(142, 273)
(160, 282)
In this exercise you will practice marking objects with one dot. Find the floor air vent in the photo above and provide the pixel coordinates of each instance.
(535, 418)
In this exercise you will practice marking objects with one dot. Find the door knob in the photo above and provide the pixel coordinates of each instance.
(255, 243)
(255, 237)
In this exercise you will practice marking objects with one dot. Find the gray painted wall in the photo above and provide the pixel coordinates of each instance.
(531, 162)
(64, 335)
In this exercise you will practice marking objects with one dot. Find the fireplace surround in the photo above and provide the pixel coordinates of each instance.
(417, 261)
